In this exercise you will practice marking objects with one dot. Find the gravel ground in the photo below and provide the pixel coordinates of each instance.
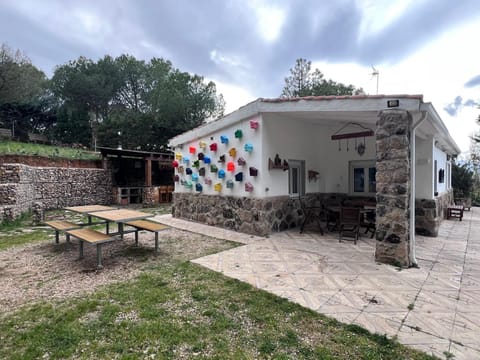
(47, 271)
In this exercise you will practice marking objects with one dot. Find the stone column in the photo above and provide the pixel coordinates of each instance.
(393, 187)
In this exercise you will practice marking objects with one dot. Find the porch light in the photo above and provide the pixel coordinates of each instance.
(393, 103)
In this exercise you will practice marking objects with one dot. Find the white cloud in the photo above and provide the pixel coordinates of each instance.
(269, 18)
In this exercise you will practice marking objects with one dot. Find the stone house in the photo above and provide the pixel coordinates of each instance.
(246, 170)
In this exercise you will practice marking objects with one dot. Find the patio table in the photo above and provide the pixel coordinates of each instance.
(86, 209)
(120, 216)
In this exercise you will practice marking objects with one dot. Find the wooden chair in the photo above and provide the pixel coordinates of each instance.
(369, 222)
(349, 223)
(311, 212)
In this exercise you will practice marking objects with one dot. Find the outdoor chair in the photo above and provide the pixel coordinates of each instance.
(369, 220)
(349, 223)
(312, 211)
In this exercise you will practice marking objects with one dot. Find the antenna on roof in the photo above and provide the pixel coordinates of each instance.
(377, 74)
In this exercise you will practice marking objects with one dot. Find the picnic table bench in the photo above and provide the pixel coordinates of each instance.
(63, 226)
(147, 225)
(92, 237)
(455, 211)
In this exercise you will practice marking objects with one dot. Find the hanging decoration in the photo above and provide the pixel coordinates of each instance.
(221, 159)
(362, 132)
(186, 159)
(202, 144)
(238, 134)
(208, 181)
(217, 187)
(221, 174)
(175, 163)
(253, 171)
(248, 147)
(213, 168)
(201, 156)
(206, 160)
(188, 184)
(194, 177)
(239, 176)
(196, 164)
(192, 150)
(198, 187)
(232, 152)
(188, 171)
(248, 187)
(224, 139)
(176, 178)
(201, 171)
(229, 184)
(213, 147)
(180, 169)
(178, 156)
(241, 161)
(253, 124)
(231, 166)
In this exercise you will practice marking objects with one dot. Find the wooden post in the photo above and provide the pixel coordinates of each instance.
(148, 172)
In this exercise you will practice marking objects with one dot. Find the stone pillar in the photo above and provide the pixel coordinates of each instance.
(393, 187)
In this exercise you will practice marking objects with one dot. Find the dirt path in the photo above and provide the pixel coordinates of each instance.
(46, 271)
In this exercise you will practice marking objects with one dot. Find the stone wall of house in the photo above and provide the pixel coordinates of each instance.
(430, 213)
(393, 187)
(22, 186)
(244, 214)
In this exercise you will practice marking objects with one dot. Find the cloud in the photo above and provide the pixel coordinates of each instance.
(475, 81)
(458, 104)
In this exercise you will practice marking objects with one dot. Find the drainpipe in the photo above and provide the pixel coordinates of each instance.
(413, 259)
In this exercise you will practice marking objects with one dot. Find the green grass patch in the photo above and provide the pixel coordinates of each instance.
(20, 148)
(180, 310)
(16, 238)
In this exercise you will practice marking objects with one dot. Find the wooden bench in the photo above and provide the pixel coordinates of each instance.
(38, 138)
(147, 226)
(63, 226)
(5, 133)
(455, 211)
(92, 237)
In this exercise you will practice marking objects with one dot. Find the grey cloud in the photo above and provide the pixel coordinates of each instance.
(454, 107)
(475, 81)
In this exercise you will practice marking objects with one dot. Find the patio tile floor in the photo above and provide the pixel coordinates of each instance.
(434, 308)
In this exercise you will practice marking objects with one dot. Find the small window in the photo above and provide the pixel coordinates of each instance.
(296, 177)
(363, 178)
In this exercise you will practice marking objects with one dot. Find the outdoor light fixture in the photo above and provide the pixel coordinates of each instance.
(393, 103)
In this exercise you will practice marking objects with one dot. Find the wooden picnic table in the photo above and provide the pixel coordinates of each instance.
(120, 216)
(87, 209)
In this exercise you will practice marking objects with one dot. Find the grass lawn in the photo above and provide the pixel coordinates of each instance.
(20, 148)
(178, 310)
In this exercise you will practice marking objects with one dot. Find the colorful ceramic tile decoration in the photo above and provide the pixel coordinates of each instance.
(176, 178)
(238, 134)
(188, 184)
(208, 181)
(194, 177)
(229, 184)
(196, 164)
(202, 144)
(253, 171)
(178, 156)
(253, 124)
(217, 187)
(183, 182)
(232, 152)
(206, 160)
(221, 174)
(186, 159)
(201, 171)
(239, 176)
(213, 147)
(213, 168)
(221, 158)
(224, 139)
(198, 187)
(192, 150)
(241, 161)
(201, 156)
(231, 166)
(175, 163)
(180, 169)
(248, 187)
(188, 171)
(248, 147)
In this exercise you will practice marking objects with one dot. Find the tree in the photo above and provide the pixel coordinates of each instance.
(303, 82)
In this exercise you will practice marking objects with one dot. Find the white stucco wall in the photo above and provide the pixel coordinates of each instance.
(252, 136)
(423, 171)
(441, 158)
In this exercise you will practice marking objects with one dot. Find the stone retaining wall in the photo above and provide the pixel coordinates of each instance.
(430, 213)
(50, 188)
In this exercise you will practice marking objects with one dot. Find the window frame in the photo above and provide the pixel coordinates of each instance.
(366, 165)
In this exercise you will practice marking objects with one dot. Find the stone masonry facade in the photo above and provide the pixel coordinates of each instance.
(393, 187)
(24, 188)
(430, 213)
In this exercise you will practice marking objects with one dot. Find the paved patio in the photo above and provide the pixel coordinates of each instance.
(435, 308)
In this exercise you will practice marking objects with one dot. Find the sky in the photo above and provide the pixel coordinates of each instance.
(247, 47)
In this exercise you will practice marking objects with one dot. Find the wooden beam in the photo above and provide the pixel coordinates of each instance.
(353, 135)
(148, 172)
